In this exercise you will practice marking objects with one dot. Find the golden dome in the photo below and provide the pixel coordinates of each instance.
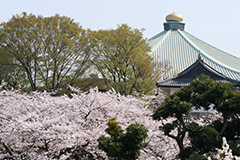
(174, 17)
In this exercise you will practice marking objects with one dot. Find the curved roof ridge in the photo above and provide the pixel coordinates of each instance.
(156, 36)
(205, 65)
(186, 76)
(164, 33)
(205, 54)
(213, 46)
(188, 41)
(227, 68)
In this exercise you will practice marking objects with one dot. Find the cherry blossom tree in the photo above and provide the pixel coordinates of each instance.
(40, 126)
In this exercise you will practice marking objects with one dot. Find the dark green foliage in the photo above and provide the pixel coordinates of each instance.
(167, 128)
(91, 82)
(231, 133)
(202, 92)
(13, 76)
(177, 105)
(173, 107)
(197, 157)
(234, 145)
(203, 138)
(120, 145)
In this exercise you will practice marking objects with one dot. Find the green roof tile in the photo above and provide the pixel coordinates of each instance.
(181, 49)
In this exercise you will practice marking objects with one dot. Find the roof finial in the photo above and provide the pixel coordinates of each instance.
(199, 56)
(174, 17)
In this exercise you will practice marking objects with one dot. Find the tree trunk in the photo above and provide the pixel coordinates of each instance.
(181, 148)
(33, 85)
(225, 123)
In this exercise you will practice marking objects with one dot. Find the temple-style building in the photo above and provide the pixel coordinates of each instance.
(189, 57)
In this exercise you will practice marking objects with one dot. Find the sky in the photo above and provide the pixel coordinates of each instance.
(216, 22)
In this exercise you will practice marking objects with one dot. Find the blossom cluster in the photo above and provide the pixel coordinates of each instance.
(40, 126)
(225, 153)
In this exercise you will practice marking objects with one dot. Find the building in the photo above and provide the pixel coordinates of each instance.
(188, 57)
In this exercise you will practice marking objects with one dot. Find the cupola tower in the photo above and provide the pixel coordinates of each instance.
(174, 21)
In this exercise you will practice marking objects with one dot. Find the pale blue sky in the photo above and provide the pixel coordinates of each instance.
(216, 22)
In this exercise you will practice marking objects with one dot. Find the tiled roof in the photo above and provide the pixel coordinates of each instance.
(196, 69)
(181, 49)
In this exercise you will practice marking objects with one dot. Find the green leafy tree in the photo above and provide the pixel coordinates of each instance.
(202, 92)
(224, 99)
(204, 139)
(122, 145)
(13, 76)
(231, 133)
(66, 53)
(175, 106)
(17, 36)
(51, 50)
(91, 82)
(121, 56)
